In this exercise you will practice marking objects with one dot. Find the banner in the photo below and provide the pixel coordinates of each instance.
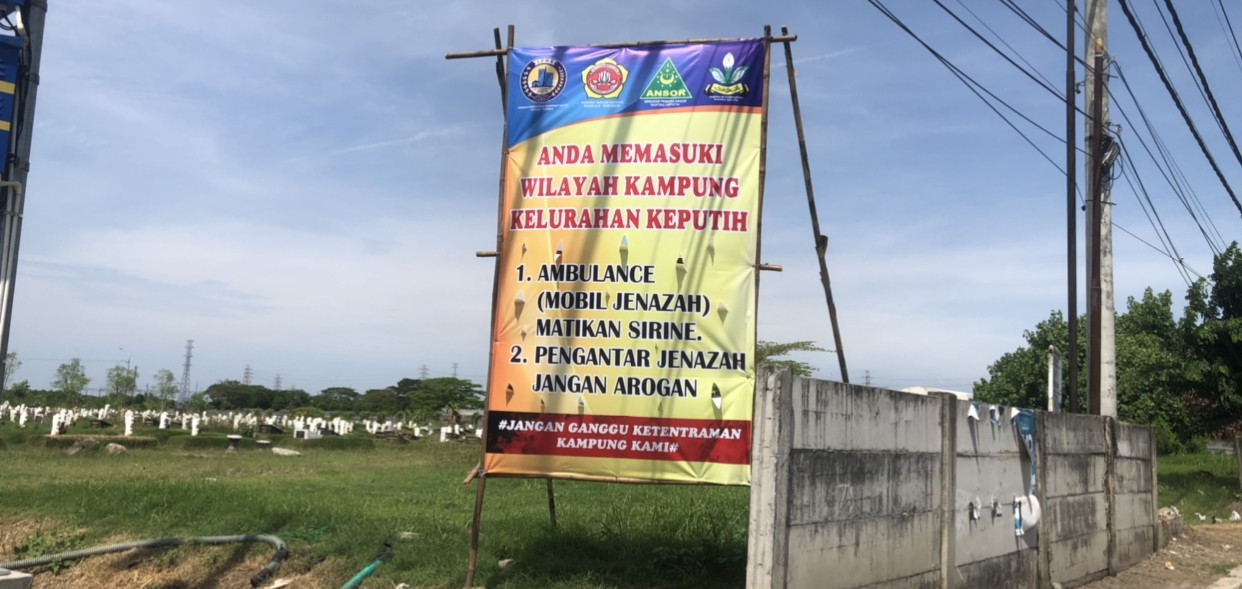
(624, 344)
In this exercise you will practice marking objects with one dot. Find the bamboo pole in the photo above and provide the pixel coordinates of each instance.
(821, 240)
(763, 171)
(784, 38)
(473, 561)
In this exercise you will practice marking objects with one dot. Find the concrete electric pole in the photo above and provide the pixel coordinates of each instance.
(1101, 151)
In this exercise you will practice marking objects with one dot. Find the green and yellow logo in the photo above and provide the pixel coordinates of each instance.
(667, 84)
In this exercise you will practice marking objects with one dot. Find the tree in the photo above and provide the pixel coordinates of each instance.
(336, 399)
(1151, 358)
(770, 353)
(1212, 330)
(71, 380)
(432, 396)
(11, 366)
(385, 401)
(122, 383)
(1019, 378)
(1182, 376)
(165, 387)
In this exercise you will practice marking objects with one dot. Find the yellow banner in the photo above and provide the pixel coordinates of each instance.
(624, 335)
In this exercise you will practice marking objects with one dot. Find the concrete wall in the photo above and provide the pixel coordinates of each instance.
(861, 487)
(991, 470)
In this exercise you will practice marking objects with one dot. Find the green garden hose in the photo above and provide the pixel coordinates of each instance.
(282, 552)
(385, 555)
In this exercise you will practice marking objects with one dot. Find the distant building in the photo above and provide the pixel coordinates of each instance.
(928, 390)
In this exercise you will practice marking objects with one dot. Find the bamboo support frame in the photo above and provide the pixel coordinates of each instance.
(473, 561)
(479, 472)
(784, 38)
(821, 240)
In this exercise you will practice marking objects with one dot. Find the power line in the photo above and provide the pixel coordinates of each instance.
(1177, 178)
(1153, 216)
(973, 85)
(1043, 83)
(1181, 108)
(1079, 19)
(1207, 89)
(1225, 14)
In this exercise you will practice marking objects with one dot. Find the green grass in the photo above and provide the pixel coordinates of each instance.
(1198, 483)
(343, 498)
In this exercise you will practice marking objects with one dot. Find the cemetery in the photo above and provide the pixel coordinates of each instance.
(351, 486)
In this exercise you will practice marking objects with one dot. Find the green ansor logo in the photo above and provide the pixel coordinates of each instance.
(667, 83)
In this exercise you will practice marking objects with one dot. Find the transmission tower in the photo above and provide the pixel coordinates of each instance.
(423, 372)
(278, 382)
(246, 376)
(454, 370)
(185, 372)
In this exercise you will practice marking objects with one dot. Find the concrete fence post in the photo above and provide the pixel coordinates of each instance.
(1044, 549)
(1157, 530)
(1110, 491)
(771, 442)
(1237, 456)
(948, 488)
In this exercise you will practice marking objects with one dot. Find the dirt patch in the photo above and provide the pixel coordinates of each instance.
(182, 567)
(1196, 559)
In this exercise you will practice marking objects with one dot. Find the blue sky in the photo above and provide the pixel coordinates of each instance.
(301, 187)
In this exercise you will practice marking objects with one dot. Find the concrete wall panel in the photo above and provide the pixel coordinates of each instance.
(1073, 474)
(1134, 441)
(1080, 557)
(1134, 545)
(862, 552)
(1133, 511)
(830, 486)
(837, 416)
(1015, 570)
(1069, 517)
(922, 581)
(1133, 475)
(982, 438)
(1073, 433)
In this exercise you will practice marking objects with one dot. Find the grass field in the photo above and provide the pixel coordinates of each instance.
(1203, 483)
(337, 503)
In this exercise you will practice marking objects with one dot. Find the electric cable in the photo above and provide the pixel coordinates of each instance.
(1011, 48)
(1178, 177)
(1045, 85)
(1125, 7)
(1181, 52)
(1224, 13)
(974, 86)
(1207, 89)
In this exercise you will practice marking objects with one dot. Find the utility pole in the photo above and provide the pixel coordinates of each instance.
(1100, 152)
(16, 147)
(1071, 205)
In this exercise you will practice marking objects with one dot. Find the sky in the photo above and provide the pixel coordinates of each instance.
(301, 188)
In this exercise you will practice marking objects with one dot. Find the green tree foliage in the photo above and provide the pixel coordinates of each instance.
(437, 394)
(232, 395)
(771, 352)
(1019, 378)
(336, 399)
(1212, 329)
(165, 387)
(1182, 376)
(122, 383)
(71, 380)
(11, 365)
